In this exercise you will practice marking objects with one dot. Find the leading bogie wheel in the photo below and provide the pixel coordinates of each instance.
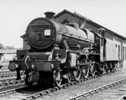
(57, 77)
(28, 81)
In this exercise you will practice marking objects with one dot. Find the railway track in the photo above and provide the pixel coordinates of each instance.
(117, 92)
(11, 87)
(83, 96)
(9, 83)
(7, 74)
(88, 93)
(55, 89)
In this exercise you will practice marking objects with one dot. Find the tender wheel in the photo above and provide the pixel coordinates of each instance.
(116, 68)
(111, 67)
(57, 78)
(77, 74)
(102, 68)
(105, 66)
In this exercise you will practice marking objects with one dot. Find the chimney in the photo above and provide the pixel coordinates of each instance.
(49, 14)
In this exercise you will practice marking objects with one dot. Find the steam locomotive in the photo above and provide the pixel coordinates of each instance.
(60, 53)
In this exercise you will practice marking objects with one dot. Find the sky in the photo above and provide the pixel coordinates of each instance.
(16, 14)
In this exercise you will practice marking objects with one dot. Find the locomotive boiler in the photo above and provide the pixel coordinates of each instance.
(58, 53)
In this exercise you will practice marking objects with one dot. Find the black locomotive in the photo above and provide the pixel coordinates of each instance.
(60, 53)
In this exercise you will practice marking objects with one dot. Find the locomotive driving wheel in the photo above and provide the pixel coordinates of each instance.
(77, 74)
(69, 77)
(85, 71)
(57, 78)
(92, 69)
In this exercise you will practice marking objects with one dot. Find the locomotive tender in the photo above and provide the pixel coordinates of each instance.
(61, 53)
